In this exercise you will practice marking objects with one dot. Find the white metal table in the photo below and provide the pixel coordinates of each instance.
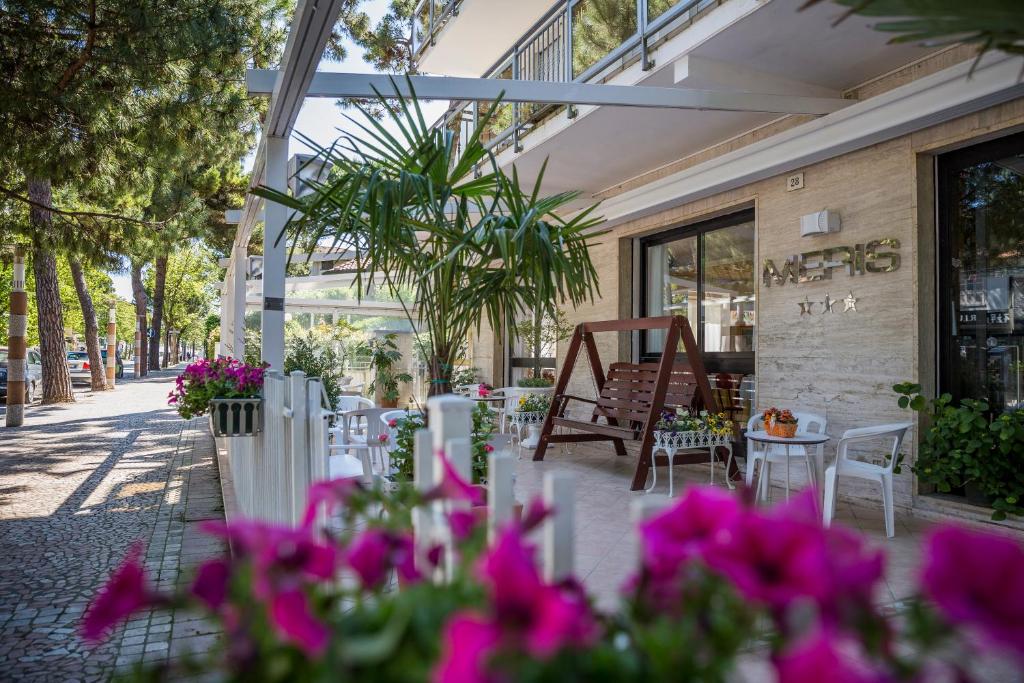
(805, 439)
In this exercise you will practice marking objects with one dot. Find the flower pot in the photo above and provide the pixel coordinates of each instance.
(386, 403)
(784, 430)
(976, 495)
(236, 416)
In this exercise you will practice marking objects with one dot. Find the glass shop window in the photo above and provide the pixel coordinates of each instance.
(981, 272)
(705, 272)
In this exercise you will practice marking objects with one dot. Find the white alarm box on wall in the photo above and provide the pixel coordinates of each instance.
(819, 223)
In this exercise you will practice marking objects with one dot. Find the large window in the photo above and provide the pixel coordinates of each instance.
(981, 272)
(706, 273)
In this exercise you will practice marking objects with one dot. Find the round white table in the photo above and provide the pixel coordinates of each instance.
(806, 439)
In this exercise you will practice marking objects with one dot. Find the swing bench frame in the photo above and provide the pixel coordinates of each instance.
(631, 396)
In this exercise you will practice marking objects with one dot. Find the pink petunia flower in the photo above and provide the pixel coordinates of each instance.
(383, 438)
(461, 523)
(279, 554)
(335, 493)
(827, 656)
(210, 585)
(292, 619)
(393, 422)
(535, 513)
(488, 448)
(373, 553)
(975, 580)
(702, 517)
(467, 643)
(124, 594)
(544, 617)
(454, 487)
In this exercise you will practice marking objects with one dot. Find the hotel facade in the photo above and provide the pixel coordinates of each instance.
(819, 259)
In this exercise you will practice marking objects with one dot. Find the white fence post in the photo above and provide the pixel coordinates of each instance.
(423, 479)
(318, 440)
(557, 540)
(450, 418)
(268, 499)
(297, 458)
(500, 494)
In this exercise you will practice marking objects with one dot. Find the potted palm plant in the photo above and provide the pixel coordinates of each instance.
(384, 357)
(454, 228)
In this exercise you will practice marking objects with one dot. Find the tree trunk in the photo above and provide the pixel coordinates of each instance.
(538, 319)
(159, 281)
(97, 371)
(56, 378)
(141, 301)
(440, 373)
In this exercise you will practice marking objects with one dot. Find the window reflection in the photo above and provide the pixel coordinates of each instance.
(728, 276)
(707, 275)
(987, 278)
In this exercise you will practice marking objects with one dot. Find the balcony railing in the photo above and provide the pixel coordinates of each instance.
(576, 40)
(430, 17)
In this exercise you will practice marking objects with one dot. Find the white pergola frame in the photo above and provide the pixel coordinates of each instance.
(297, 79)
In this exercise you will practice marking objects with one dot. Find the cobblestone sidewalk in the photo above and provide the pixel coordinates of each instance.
(79, 485)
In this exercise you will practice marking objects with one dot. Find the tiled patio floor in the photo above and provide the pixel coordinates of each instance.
(606, 546)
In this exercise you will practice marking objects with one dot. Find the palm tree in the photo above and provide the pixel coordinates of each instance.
(443, 220)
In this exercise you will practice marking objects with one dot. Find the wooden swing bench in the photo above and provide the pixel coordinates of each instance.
(631, 396)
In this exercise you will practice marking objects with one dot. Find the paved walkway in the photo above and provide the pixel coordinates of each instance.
(79, 484)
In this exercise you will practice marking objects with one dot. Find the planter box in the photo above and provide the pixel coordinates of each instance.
(670, 442)
(236, 416)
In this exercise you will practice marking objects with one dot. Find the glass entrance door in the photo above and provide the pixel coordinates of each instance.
(981, 272)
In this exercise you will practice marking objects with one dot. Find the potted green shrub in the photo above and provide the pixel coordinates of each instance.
(384, 356)
(966, 448)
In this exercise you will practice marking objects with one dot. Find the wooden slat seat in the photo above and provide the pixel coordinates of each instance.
(631, 396)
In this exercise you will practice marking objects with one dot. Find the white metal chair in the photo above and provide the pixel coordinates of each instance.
(846, 465)
(807, 423)
(346, 403)
(386, 417)
(512, 396)
(359, 435)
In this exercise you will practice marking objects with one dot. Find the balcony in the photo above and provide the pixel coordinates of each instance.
(576, 40)
(739, 45)
(465, 37)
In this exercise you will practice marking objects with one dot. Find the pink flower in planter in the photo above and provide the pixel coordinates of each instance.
(454, 487)
(826, 656)
(373, 553)
(488, 448)
(975, 579)
(467, 643)
(685, 532)
(393, 422)
(546, 617)
(462, 523)
(279, 554)
(210, 585)
(774, 560)
(383, 438)
(125, 593)
(292, 619)
(335, 493)
(536, 512)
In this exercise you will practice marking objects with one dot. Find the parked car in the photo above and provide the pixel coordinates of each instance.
(78, 366)
(33, 375)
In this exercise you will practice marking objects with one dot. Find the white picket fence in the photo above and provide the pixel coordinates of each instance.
(272, 471)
